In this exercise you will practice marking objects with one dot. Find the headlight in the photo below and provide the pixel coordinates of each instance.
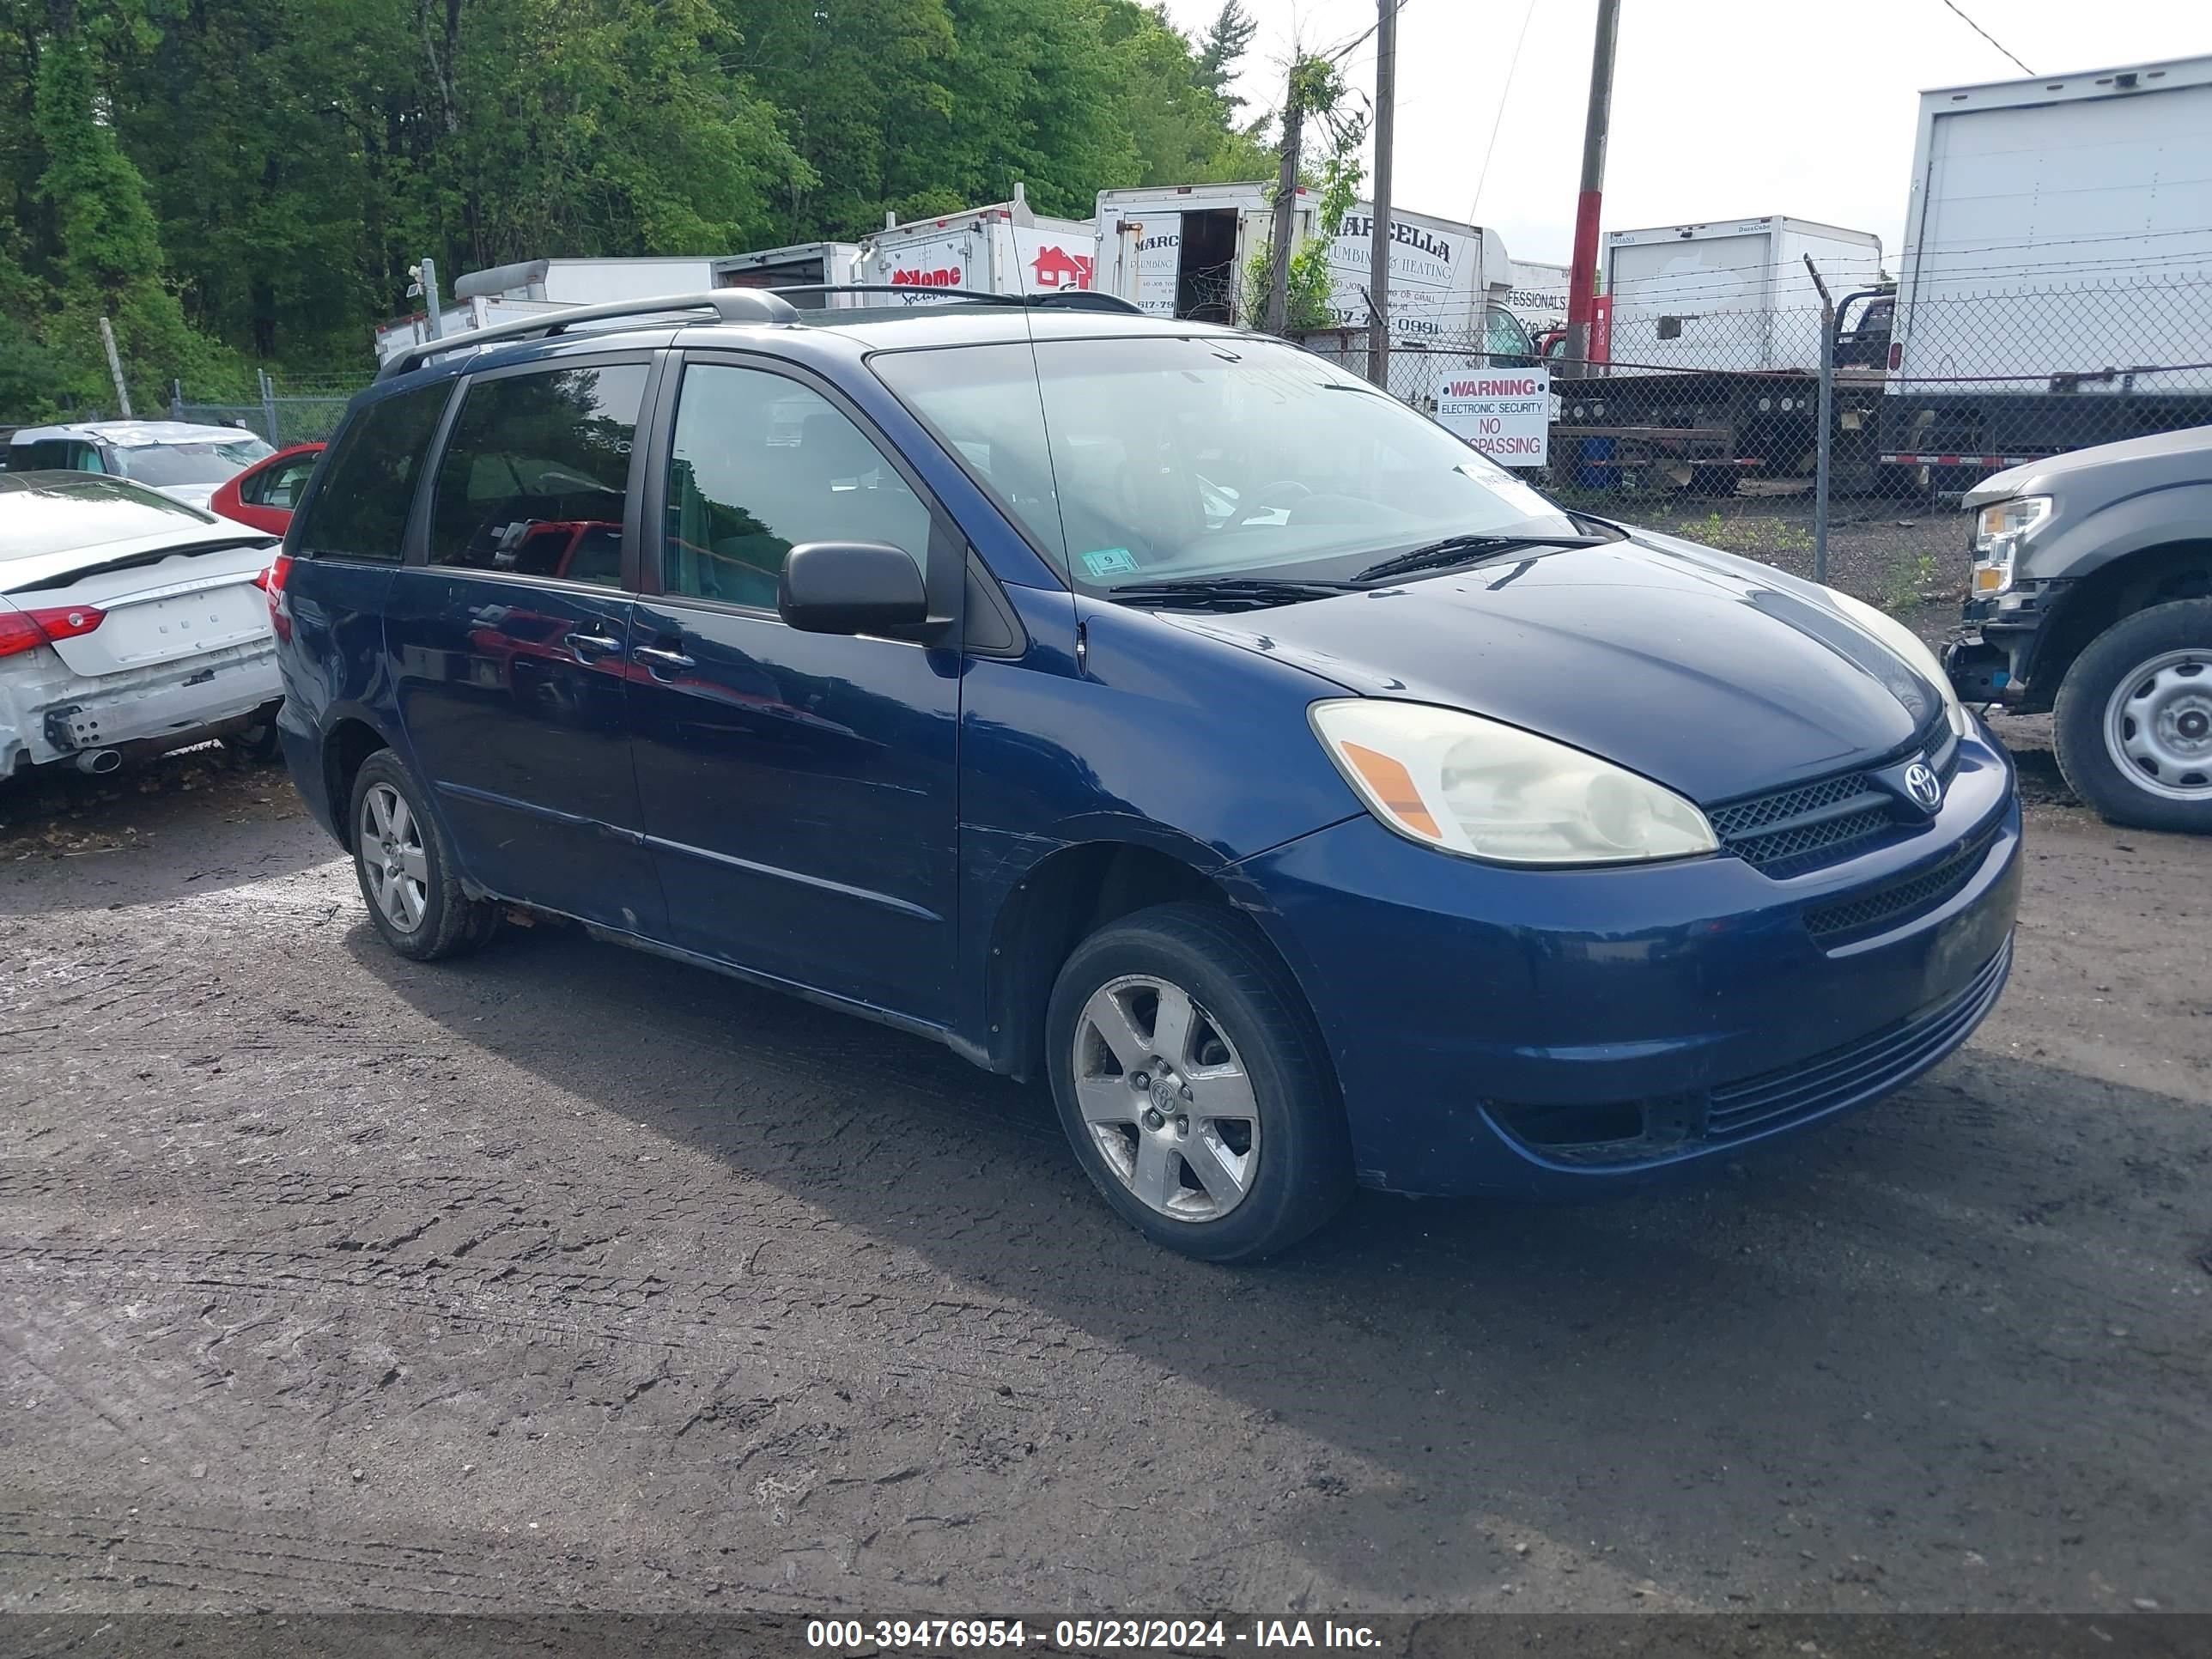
(1999, 530)
(1908, 645)
(1474, 786)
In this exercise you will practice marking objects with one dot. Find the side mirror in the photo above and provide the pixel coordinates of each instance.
(850, 587)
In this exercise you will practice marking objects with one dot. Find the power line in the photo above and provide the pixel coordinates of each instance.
(1490, 148)
(1985, 34)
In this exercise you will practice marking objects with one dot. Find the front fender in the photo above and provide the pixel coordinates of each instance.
(2080, 546)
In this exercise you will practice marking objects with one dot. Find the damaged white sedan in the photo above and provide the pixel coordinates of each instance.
(130, 624)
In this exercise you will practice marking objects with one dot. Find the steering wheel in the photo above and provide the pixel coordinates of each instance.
(1281, 493)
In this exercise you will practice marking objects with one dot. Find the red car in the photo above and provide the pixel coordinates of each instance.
(264, 493)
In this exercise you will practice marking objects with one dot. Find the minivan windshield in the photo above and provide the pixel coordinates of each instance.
(1165, 458)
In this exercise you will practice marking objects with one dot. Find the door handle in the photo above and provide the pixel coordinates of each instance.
(590, 648)
(657, 659)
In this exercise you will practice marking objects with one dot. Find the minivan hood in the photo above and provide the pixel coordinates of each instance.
(1713, 675)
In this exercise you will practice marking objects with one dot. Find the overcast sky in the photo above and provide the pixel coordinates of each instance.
(1722, 109)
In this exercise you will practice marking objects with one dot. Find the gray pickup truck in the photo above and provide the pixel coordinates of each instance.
(2090, 596)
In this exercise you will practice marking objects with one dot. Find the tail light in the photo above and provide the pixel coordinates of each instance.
(27, 631)
(272, 582)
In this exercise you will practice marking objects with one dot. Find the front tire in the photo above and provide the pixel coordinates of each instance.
(1193, 1084)
(406, 867)
(2133, 720)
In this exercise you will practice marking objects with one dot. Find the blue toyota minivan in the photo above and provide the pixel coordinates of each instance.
(1151, 707)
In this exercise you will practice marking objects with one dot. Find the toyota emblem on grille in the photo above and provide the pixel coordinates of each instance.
(1924, 786)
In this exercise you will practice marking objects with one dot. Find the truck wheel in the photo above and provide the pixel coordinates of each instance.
(1193, 1085)
(2133, 722)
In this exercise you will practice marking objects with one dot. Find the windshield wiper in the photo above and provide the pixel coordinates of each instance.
(1465, 550)
(1227, 593)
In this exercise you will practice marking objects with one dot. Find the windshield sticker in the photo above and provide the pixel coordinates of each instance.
(1110, 562)
(1511, 490)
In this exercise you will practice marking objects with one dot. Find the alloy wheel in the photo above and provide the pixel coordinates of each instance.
(392, 859)
(1166, 1098)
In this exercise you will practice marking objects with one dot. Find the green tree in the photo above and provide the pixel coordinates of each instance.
(263, 173)
(107, 258)
(1319, 97)
(1222, 48)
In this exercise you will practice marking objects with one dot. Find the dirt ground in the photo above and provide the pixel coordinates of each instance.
(563, 1277)
(1902, 555)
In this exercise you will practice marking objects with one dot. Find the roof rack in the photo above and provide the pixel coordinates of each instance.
(729, 304)
(1072, 298)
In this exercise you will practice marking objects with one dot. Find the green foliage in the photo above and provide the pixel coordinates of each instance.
(1222, 46)
(1320, 92)
(235, 179)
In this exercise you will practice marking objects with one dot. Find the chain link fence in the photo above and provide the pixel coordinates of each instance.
(290, 412)
(1707, 419)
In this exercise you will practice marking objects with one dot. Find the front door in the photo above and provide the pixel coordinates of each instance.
(798, 788)
(510, 641)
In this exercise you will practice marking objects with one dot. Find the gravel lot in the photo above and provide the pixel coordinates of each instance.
(565, 1277)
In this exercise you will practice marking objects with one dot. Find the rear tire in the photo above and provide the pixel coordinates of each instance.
(2133, 720)
(258, 744)
(1193, 1086)
(406, 867)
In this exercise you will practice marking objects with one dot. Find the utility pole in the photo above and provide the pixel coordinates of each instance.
(1582, 284)
(1277, 317)
(1378, 232)
(115, 364)
(426, 285)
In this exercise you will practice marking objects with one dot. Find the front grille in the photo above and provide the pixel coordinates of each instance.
(1858, 1070)
(1802, 828)
(1877, 907)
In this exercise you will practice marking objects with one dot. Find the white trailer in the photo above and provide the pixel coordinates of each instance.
(504, 293)
(1003, 248)
(1539, 295)
(1182, 249)
(802, 264)
(2055, 240)
(1450, 283)
(1733, 295)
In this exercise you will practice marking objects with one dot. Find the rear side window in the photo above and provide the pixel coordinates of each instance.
(54, 454)
(361, 511)
(534, 475)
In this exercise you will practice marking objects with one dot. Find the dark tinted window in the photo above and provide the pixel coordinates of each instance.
(533, 477)
(361, 511)
(760, 463)
(54, 454)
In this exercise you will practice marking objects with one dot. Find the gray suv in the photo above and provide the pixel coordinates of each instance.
(2090, 596)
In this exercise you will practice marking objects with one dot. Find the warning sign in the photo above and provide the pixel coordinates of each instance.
(1504, 413)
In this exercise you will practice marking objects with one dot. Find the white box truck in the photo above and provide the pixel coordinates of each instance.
(1182, 249)
(501, 294)
(1003, 248)
(1539, 296)
(802, 264)
(1450, 283)
(1709, 367)
(2057, 241)
(1731, 295)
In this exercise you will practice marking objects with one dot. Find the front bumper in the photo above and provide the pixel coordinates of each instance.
(1543, 1033)
(1993, 659)
(47, 714)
